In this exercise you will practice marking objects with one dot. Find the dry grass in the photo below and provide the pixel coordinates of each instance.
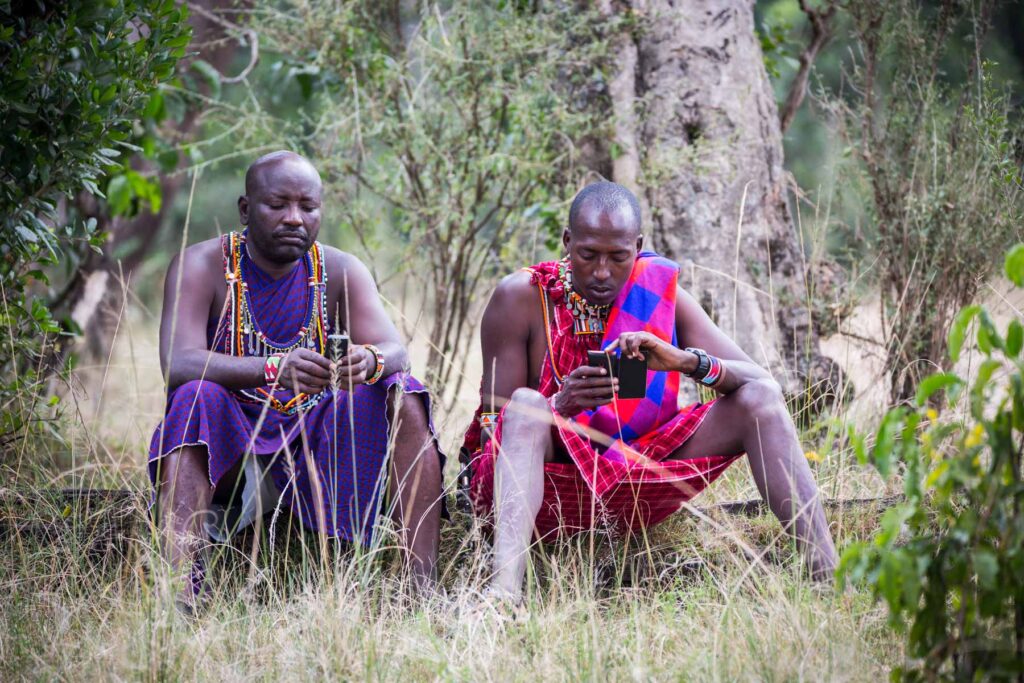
(685, 603)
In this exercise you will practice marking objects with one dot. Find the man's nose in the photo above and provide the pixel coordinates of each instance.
(292, 216)
(603, 271)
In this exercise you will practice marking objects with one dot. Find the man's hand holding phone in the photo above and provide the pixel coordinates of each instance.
(585, 388)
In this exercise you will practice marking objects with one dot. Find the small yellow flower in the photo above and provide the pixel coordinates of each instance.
(932, 414)
(974, 438)
(813, 456)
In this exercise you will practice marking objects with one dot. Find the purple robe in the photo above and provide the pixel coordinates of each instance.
(344, 437)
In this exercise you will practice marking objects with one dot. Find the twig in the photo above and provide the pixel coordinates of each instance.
(821, 33)
(250, 35)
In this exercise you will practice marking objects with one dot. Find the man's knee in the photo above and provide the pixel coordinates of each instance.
(409, 413)
(761, 400)
(527, 407)
(186, 466)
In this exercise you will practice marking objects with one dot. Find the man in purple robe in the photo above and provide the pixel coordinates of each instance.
(260, 416)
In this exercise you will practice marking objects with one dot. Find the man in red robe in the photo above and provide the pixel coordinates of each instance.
(554, 450)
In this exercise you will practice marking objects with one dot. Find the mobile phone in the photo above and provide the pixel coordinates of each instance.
(337, 346)
(608, 361)
(632, 377)
(632, 372)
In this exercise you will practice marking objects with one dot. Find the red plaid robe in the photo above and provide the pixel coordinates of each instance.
(622, 494)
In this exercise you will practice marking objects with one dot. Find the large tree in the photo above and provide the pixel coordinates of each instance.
(697, 135)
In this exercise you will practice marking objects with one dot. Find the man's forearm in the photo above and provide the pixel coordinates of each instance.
(737, 372)
(231, 372)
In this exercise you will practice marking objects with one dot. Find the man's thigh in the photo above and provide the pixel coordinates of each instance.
(721, 433)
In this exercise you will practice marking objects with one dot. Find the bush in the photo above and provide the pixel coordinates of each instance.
(74, 78)
(461, 137)
(941, 172)
(950, 560)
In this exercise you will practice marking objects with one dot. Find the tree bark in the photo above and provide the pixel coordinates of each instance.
(713, 179)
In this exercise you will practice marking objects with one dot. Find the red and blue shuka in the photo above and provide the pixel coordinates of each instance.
(618, 475)
(325, 453)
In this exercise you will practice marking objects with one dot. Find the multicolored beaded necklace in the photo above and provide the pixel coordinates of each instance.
(245, 338)
(587, 318)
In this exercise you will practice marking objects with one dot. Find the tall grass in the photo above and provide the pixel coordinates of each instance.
(684, 603)
(88, 595)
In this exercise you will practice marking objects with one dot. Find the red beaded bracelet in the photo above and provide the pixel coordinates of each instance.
(272, 368)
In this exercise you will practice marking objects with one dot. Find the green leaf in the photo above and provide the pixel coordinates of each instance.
(986, 567)
(984, 340)
(108, 94)
(933, 383)
(155, 108)
(958, 330)
(1014, 338)
(119, 194)
(885, 442)
(1014, 265)
(180, 41)
(987, 328)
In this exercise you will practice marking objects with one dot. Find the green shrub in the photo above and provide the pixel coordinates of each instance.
(75, 77)
(933, 157)
(949, 561)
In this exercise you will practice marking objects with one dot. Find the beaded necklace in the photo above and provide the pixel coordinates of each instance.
(243, 331)
(587, 318)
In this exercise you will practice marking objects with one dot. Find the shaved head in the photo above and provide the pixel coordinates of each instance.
(281, 207)
(602, 240)
(254, 174)
(605, 197)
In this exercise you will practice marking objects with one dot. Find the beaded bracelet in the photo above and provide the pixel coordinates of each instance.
(488, 420)
(710, 370)
(272, 367)
(715, 372)
(378, 371)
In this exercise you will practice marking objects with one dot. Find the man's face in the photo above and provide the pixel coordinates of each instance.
(602, 248)
(282, 210)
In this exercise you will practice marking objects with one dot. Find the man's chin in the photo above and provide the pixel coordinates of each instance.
(601, 298)
(289, 251)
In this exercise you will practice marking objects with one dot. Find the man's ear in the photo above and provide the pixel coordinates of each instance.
(243, 210)
(639, 243)
(566, 239)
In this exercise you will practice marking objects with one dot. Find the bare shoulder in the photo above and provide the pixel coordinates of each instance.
(200, 262)
(512, 304)
(515, 289)
(338, 262)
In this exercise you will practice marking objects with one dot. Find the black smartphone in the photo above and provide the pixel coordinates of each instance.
(632, 372)
(337, 346)
(632, 377)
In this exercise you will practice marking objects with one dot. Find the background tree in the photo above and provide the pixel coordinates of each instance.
(74, 78)
(941, 168)
(140, 198)
(447, 136)
(697, 134)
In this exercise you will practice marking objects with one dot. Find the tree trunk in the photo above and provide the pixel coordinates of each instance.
(713, 179)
